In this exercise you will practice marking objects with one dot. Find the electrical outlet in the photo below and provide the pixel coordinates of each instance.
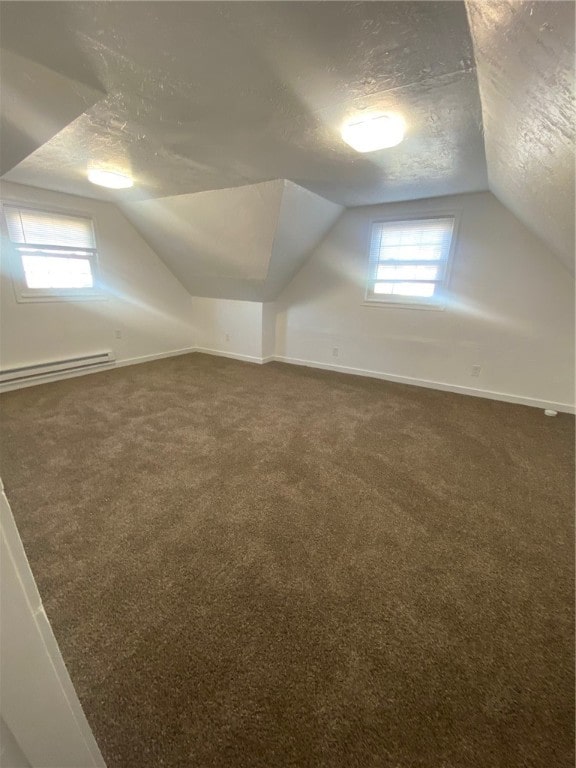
(118, 334)
(475, 371)
(227, 337)
(335, 351)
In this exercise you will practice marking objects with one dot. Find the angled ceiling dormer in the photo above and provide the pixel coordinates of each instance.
(37, 103)
(204, 96)
(240, 243)
(525, 62)
(199, 97)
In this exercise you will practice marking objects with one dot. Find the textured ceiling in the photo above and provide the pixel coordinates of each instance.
(525, 60)
(37, 103)
(225, 99)
(203, 96)
(241, 243)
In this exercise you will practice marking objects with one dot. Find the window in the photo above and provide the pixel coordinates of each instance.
(55, 254)
(409, 261)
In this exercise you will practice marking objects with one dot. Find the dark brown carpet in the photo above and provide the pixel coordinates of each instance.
(273, 567)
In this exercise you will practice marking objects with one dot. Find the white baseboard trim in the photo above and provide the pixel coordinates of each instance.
(59, 376)
(456, 388)
(234, 355)
(156, 356)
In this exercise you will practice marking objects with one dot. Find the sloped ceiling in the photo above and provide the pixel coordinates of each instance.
(240, 243)
(206, 104)
(213, 95)
(303, 220)
(525, 62)
(37, 103)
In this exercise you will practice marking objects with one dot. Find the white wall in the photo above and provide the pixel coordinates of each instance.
(241, 329)
(268, 329)
(43, 724)
(145, 302)
(229, 326)
(512, 308)
(244, 243)
(11, 755)
(216, 242)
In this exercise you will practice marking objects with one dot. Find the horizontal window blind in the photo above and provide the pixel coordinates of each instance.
(31, 227)
(409, 258)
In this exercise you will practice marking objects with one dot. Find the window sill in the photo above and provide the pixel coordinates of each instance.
(30, 298)
(404, 305)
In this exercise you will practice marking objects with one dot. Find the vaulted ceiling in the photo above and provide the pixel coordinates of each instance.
(525, 59)
(196, 97)
(211, 95)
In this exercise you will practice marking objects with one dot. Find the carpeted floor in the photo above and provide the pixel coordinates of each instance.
(275, 567)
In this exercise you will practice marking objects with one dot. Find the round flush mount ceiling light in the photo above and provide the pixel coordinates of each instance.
(374, 132)
(109, 179)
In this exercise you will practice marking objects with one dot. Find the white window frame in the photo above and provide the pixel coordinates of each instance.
(22, 292)
(441, 295)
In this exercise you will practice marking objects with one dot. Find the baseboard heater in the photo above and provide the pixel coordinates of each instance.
(28, 372)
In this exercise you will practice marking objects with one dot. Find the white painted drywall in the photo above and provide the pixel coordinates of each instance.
(213, 241)
(144, 300)
(43, 720)
(229, 327)
(304, 219)
(244, 243)
(268, 329)
(512, 308)
(11, 756)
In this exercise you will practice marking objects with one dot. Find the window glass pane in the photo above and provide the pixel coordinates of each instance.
(421, 290)
(408, 272)
(383, 287)
(57, 272)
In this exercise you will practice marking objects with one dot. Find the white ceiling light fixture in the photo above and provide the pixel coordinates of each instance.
(110, 179)
(374, 132)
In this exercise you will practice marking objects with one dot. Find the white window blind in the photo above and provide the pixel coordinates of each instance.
(409, 260)
(57, 252)
(43, 228)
